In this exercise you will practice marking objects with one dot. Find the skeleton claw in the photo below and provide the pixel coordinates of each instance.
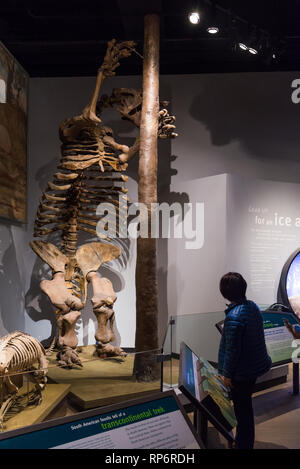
(108, 350)
(68, 357)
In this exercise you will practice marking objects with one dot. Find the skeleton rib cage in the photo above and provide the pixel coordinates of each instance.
(26, 350)
(89, 174)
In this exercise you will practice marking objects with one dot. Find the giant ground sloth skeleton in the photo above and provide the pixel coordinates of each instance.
(90, 173)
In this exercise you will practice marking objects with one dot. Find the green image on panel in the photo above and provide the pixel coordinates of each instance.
(211, 384)
(278, 338)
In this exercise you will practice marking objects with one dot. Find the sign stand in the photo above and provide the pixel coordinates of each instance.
(201, 424)
(295, 379)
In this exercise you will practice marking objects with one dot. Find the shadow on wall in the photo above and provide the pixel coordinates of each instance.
(256, 112)
(11, 298)
(37, 304)
(46, 172)
(165, 173)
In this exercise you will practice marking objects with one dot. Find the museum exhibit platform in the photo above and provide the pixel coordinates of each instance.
(101, 381)
(52, 396)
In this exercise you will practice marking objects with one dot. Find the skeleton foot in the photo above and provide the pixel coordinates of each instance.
(4, 409)
(36, 397)
(40, 376)
(68, 357)
(108, 350)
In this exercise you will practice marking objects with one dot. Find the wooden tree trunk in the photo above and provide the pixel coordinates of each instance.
(146, 367)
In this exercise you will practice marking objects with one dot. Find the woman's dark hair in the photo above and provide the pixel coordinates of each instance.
(233, 287)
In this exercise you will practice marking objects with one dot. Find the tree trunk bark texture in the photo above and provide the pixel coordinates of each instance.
(146, 366)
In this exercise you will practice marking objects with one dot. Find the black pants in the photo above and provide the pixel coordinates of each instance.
(241, 394)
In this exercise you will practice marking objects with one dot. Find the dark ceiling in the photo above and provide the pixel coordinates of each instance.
(68, 38)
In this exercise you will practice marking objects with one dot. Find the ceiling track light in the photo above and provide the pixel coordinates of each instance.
(243, 46)
(194, 15)
(269, 50)
(254, 42)
(252, 50)
(213, 28)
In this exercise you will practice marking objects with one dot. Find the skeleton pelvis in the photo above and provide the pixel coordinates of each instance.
(88, 257)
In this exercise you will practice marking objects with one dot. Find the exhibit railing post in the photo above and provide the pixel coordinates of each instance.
(295, 379)
(171, 339)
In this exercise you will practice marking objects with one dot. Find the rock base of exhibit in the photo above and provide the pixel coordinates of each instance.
(100, 381)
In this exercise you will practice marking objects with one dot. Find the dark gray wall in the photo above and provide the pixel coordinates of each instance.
(236, 123)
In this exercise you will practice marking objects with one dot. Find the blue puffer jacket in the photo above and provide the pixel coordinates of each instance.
(243, 354)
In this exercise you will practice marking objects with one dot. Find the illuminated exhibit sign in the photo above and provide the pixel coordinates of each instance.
(278, 338)
(201, 383)
(144, 424)
(289, 285)
(293, 278)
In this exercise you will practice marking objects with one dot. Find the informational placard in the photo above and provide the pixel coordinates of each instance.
(263, 229)
(278, 338)
(200, 380)
(156, 424)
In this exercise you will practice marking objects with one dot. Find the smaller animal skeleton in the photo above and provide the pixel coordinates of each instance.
(19, 352)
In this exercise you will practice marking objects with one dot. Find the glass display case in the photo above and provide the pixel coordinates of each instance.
(26, 399)
(198, 331)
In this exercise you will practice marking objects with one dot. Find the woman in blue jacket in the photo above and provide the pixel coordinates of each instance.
(243, 355)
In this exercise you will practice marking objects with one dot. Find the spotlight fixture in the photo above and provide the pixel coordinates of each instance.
(213, 30)
(243, 46)
(254, 42)
(194, 17)
(270, 51)
(252, 50)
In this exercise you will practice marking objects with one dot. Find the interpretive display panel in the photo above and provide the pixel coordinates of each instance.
(289, 285)
(157, 422)
(278, 338)
(200, 382)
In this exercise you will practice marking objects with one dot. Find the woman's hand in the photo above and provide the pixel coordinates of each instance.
(227, 382)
